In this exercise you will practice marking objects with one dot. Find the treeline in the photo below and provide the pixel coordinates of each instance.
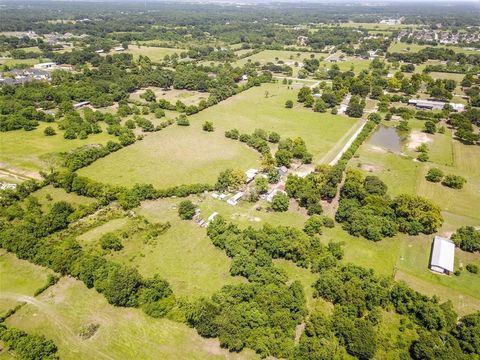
(366, 210)
(27, 346)
(435, 53)
(127, 198)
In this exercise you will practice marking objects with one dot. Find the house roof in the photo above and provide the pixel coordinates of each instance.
(443, 253)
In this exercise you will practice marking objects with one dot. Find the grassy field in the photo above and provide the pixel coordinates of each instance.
(179, 155)
(155, 54)
(377, 26)
(399, 46)
(18, 278)
(10, 62)
(410, 255)
(59, 194)
(186, 96)
(184, 255)
(31, 149)
(64, 309)
(348, 64)
(288, 57)
(174, 156)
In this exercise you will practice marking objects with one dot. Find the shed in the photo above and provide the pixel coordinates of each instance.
(442, 256)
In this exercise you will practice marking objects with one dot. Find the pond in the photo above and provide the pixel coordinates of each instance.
(387, 138)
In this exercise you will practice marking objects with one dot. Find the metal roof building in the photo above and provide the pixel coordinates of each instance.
(442, 256)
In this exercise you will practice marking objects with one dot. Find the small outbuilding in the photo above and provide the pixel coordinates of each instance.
(443, 255)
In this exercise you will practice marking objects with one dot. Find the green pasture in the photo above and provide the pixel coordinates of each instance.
(288, 57)
(18, 278)
(398, 46)
(32, 150)
(154, 53)
(65, 309)
(185, 155)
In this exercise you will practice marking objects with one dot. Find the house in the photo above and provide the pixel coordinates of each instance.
(251, 173)
(333, 59)
(442, 256)
(7, 186)
(212, 217)
(45, 66)
(81, 104)
(434, 105)
(234, 199)
(302, 40)
(274, 192)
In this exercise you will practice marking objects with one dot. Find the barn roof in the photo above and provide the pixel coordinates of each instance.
(443, 253)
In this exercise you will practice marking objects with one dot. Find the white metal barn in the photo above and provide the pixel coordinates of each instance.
(442, 256)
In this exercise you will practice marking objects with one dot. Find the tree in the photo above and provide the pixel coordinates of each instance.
(434, 175)
(303, 94)
(261, 184)
(320, 106)
(110, 241)
(430, 127)
(207, 126)
(423, 157)
(289, 104)
(373, 185)
(230, 179)
(467, 238)
(273, 137)
(472, 268)
(467, 332)
(49, 131)
(454, 181)
(355, 107)
(416, 215)
(148, 95)
(186, 210)
(182, 120)
(280, 202)
(119, 284)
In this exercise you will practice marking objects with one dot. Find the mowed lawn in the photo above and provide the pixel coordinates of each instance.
(186, 155)
(68, 307)
(18, 278)
(31, 150)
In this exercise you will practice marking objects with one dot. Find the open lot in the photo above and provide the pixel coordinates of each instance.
(186, 96)
(185, 155)
(18, 278)
(183, 255)
(154, 53)
(32, 150)
(399, 46)
(66, 308)
(288, 57)
(177, 155)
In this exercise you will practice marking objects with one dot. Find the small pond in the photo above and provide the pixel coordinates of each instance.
(387, 138)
